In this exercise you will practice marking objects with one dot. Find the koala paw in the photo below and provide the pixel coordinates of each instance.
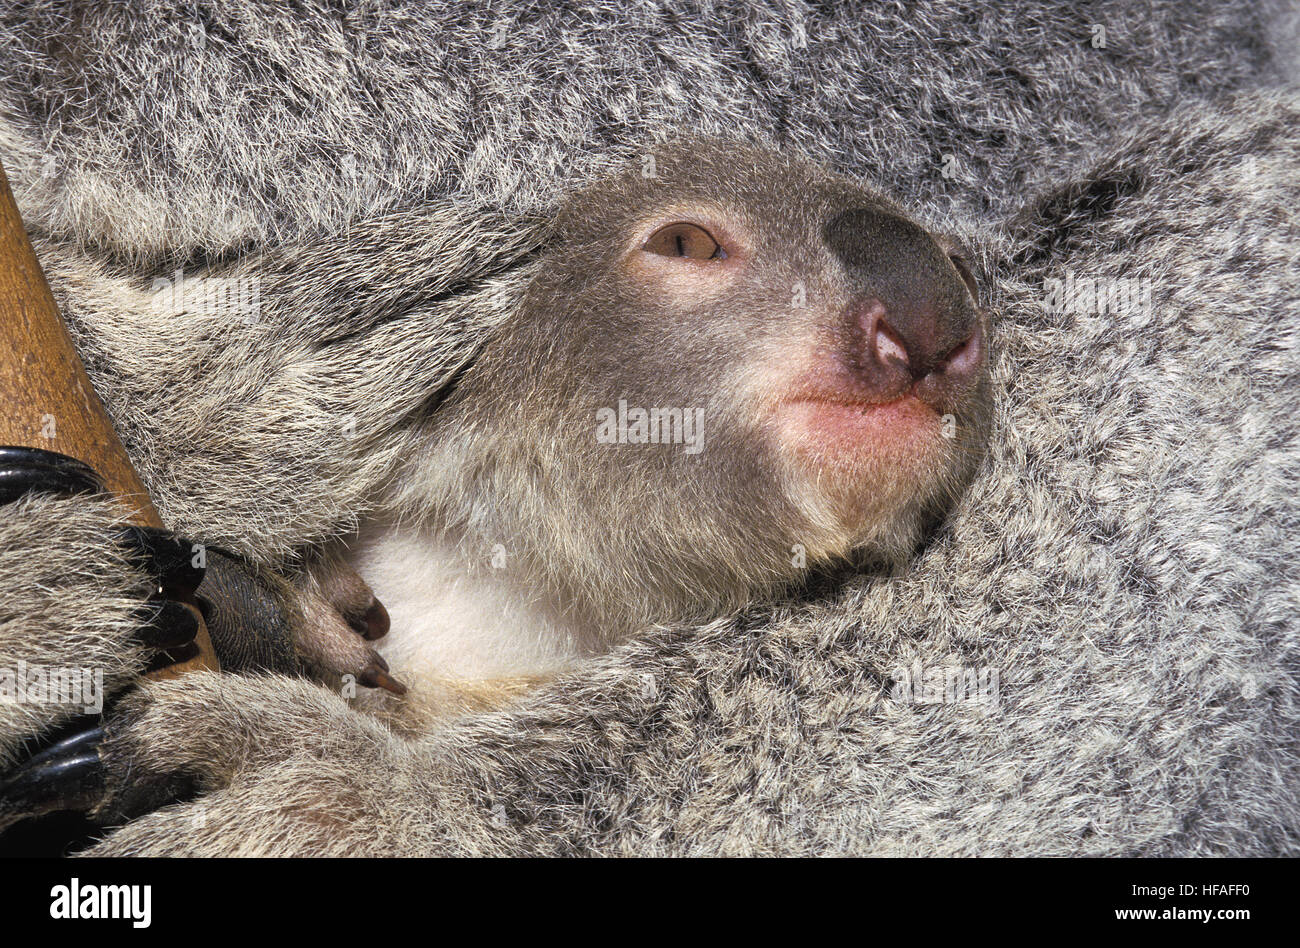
(225, 737)
(338, 606)
(89, 599)
(281, 765)
(120, 599)
(318, 625)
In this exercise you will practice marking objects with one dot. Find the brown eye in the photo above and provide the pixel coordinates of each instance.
(684, 240)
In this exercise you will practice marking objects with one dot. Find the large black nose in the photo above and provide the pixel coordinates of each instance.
(911, 322)
(895, 262)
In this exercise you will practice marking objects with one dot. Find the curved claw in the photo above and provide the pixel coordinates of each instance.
(168, 557)
(23, 470)
(74, 775)
(69, 775)
(165, 624)
(375, 675)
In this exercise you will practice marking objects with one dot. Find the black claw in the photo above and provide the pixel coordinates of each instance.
(68, 775)
(167, 555)
(166, 624)
(23, 470)
(11, 455)
(73, 776)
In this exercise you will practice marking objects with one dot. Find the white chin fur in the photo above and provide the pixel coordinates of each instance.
(453, 618)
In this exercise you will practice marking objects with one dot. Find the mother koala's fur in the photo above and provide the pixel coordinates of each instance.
(1126, 562)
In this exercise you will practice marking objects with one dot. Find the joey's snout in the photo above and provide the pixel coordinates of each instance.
(912, 324)
(933, 355)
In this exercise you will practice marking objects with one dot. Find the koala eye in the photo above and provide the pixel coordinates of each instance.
(684, 240)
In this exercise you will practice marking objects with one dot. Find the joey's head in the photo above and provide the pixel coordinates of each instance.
(729, 364)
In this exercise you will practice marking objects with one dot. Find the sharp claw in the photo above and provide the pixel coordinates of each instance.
(30, 469)
(374, 676)
(168, 557)
(167, 624)
(68, 775)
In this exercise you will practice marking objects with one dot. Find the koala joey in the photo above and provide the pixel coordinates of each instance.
(722, 369)
(720, 374)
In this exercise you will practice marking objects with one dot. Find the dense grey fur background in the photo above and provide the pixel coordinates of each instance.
(1127, 560)
(209, 126)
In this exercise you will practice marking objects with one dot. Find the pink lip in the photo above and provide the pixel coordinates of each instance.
(901, 430)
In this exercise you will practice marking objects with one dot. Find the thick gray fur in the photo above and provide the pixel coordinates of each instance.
(1126, 561)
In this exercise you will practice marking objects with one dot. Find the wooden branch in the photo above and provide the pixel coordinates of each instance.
(48, 397)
